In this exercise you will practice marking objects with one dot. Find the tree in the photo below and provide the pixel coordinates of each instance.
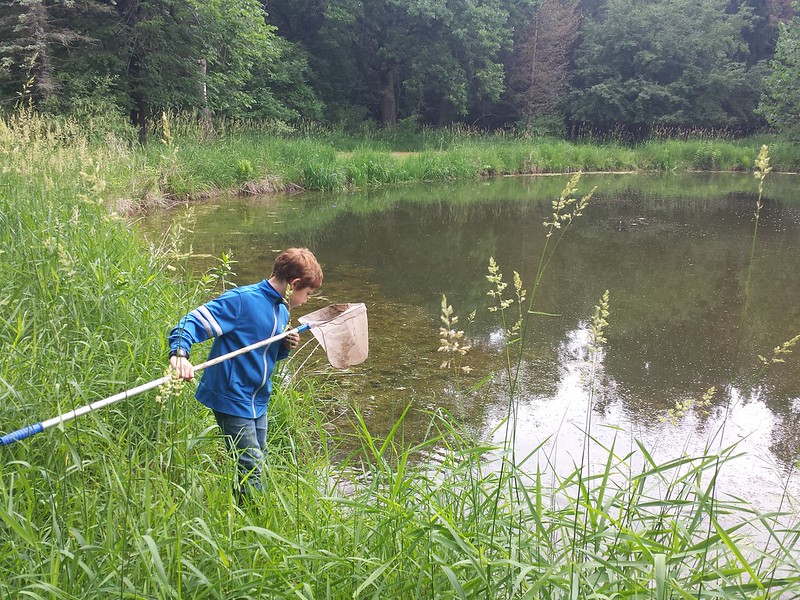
(147, 56)
(163, 41)
(539, 71)
(670, 62)
(176, 55)
(30, 32)
(780, 104)
(390, 59)
(279, 88)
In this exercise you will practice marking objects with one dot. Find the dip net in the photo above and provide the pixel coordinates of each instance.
(342, 331)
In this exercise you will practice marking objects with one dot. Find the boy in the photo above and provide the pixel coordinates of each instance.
(237, 390)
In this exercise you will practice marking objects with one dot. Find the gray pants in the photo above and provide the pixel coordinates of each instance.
(246, 439)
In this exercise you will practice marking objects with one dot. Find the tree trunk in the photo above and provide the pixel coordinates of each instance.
(205, 119)
(529, 107)
(388, 98)
(42, 71)
(129, 15)
(140, 117)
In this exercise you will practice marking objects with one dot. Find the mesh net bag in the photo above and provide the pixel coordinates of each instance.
(342, 331)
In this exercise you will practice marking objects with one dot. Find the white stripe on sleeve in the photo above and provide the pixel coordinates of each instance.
(210, 320)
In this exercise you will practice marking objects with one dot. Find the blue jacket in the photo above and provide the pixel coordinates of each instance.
(240, 386)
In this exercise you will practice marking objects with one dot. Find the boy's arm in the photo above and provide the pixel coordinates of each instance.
(212, 319)
(290, 342)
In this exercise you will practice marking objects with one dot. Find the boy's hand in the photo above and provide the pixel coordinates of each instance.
(182, 365)
(291, 341)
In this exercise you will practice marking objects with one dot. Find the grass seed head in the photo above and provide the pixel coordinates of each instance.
(450, 338)
(702, 407)
(762, 164)
(170, 389)
(599, 323)
(780, 353)
(568, 207)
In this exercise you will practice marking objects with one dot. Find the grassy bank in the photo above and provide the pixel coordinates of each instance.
(135, 501)
(181, 161)
(318, 160)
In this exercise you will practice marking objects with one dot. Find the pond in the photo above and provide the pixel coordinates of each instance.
(673, 250)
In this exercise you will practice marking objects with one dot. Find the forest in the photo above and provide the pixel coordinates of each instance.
(556, 67)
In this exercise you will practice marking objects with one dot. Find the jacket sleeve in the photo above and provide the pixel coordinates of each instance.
(212, 319)
(283, 351)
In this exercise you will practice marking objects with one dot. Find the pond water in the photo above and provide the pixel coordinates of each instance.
(673, 250)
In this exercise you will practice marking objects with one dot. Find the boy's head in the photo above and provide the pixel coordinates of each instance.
(299, 268)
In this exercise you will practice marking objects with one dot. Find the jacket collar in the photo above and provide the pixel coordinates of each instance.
(271, 293)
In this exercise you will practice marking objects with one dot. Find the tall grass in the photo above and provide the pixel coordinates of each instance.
(136, 501)
(313, 157)
(183, 160)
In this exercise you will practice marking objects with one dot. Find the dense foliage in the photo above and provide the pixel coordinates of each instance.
(781, 106)
(673, 62)
(600, 65)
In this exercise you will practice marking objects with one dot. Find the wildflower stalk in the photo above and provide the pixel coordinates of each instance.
(565, 209)
(762, 169)
(779, 355)
(760, 172)
(597, 341)
(510, 333)
(451, 339)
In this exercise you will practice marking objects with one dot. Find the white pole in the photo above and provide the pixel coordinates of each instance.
(25, 432)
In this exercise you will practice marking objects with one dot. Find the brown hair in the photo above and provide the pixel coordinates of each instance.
(298, 263)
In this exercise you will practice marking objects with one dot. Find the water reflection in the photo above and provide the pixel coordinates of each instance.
(672, 250)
